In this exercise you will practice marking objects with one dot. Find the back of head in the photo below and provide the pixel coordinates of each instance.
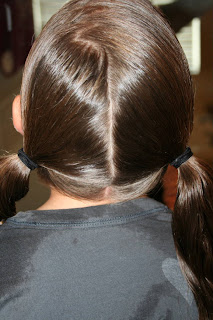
(107, 101)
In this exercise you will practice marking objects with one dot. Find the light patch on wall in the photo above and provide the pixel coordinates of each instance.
(161, 2)
(190, 40)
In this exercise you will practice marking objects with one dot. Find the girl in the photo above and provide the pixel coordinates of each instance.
(106, 105)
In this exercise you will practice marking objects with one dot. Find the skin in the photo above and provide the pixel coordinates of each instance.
(56, 200)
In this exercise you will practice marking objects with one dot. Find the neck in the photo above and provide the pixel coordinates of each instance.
(59, 201)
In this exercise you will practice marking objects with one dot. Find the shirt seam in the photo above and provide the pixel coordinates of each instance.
(82, 223)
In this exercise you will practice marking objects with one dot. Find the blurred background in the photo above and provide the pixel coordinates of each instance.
(22, 20)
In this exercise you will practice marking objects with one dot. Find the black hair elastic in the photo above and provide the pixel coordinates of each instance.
(26, 160)
(182, 158)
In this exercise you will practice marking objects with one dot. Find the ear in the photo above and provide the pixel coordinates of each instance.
(16, 114)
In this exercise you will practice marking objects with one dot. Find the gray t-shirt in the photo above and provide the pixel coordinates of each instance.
(108, 262)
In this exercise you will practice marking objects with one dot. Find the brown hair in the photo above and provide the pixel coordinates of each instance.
(107, 101)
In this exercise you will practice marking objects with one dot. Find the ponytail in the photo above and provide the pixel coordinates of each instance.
(14, 184)
(192, 226)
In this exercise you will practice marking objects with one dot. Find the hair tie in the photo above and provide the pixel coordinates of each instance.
(26, 160)
(182, 158)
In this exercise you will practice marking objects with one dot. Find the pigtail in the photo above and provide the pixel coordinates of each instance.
(192, 226)
(14, 184)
